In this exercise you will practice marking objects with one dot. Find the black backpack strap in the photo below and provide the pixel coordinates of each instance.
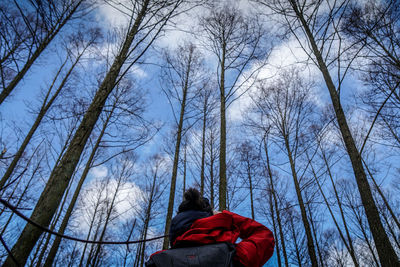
(212, 255)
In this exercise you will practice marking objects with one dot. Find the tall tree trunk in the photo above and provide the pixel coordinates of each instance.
(386, 253)
(314, 231)
(222, 146)
(61, 175)
(203, 147)
(52, 227)
(395, 218)
(272, 209)
(93, 246)
(349, 249)
(107, 221)
(147, 220)
(212, 160)
(278, 216)
(365, 234)
(184, 169)
(310, 241)
(251, 190)
(296, 246)
(176, 159)
(21, 197)
(54, 248)
(43, 110)
(350, 241)
(92, 222)
(127, 251)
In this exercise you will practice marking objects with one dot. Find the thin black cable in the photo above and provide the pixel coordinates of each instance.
(18, 213)
(9, 251)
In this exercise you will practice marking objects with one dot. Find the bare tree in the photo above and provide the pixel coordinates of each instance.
(28, 30)
(153, 191)
(53, 92)
(373, 26)
(147, 19)
(285, 108)
(181, 75)
(316, 26)
(235, 40)
(250, 169)
(274, 206)
(122, 92)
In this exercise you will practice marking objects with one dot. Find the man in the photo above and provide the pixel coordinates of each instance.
(200, 236)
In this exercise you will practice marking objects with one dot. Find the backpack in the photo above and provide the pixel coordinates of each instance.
(211, 255)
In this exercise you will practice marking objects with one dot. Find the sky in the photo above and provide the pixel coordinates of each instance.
(283, 55)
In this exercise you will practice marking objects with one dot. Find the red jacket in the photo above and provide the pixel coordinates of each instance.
(257, 243)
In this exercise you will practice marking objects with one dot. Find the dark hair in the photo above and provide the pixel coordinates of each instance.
(192, 200)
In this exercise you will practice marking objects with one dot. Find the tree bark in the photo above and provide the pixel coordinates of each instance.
(54, 248)
(310, 241)
(349, 249)
(43, 110)
(278, 216)
(61, 175)
(251, 191)
(147, 220)
(203, 147)
(176, 158)
(386, 253)
(222, 146)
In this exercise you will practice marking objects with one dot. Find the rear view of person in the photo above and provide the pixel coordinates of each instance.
(201, 237)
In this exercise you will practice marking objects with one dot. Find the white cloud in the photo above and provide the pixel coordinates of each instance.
(138, 72)
(99, 172)
(110, 17)
(128, 200)
(127, 203)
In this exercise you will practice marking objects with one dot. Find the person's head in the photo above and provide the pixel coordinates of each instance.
(192, 200)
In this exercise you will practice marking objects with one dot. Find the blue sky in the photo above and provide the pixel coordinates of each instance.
(284, 54)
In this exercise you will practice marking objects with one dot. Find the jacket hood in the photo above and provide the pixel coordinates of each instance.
(182, 222)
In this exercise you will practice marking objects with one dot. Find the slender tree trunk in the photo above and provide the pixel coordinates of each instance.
(147, 220)
(21, 197)
(61, 175)
(176, 159)
(92, 247)
(10, 196)
(107, 221)
(278, 216)
(350, 244)
(395, 218)
(386, 253)
(222, 149)
(310, 241)
(296, 246)
(271, 207)
(54, 248)
(251, 190)
(184, 170)
(43, 110)
(349, 249)
(366, 237)
(203, 147)
(314, 231)
(390, 229)
(127, 251)
(89, 232)
(212, 160)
